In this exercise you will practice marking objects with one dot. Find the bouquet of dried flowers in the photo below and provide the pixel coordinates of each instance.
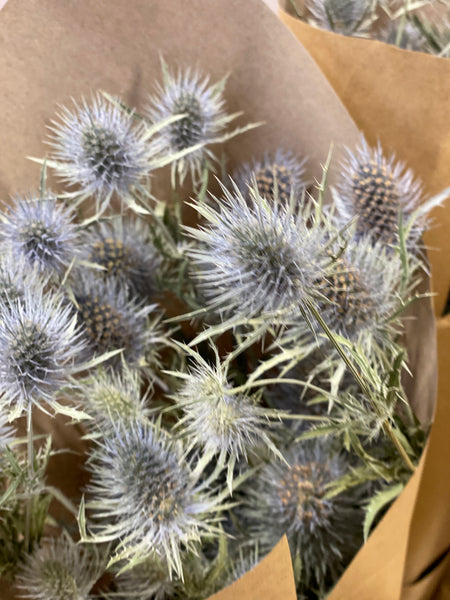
(235, 360)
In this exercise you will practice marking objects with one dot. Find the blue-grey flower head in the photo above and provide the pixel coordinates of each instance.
(203, 106)
(347, 17)
(98, 147)
(376, 190)
(256, 258)
(281, 174)
(146, 497)
(40, 347)
(149, 580)
(124, 249)
(41, 232)
(59, 569)
(112, 321)
(16, 276)
(291, 499)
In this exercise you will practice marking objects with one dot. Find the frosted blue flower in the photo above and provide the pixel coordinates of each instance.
(112, 321)
(376, 190)
(282, 172)
(124, 249)
(203, 106)
(59, 569)
(146, 497)
(16, 277)
(100, 148)
(257, 258)
(347, 17)
(291, 499)
(42, 232)
(226, 425)
(39, 348)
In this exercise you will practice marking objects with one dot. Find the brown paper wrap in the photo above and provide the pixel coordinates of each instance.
(401, 98)
(52, 51)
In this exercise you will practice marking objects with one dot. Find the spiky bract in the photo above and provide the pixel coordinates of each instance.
(292, 500)
(7, 432)
(281, 175)
(347, 17)
(16, 276)
(225, 424)
(202, 104)
(113, 321)
(40, 346)
(99, 147)
(59, 569)
(41, 232)
(376, 190)
(124, 250)
(146, 497)
(257, 258)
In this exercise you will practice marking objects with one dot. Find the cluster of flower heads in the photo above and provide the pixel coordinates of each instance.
(198, 459)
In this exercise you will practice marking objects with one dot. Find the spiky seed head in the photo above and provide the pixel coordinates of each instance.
(59, 570)
(347, 17)
(16, 277)
(40, 347)
(41, 232)
(282, 174)
(112, 398)
(145, 496)
(149, 580)
(256, 258)
(376, 190)
(112, 321)
(202, 104)
(292, 499)
(124, 250)
(99, 148)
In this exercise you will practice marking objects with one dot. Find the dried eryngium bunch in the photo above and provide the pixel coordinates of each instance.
(41, 232)
(100, 148)
(292, 499)
(147, 498)
(348, 17)
(280, 176)
(257, 257)
(59, 569)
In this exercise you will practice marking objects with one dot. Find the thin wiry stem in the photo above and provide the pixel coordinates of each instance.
(365, 388)
(30, 453)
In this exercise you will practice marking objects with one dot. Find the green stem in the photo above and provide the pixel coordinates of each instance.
(30, 454)
(365, 388)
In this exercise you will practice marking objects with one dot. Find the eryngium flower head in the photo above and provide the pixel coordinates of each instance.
(39, 348)
(360, 291)
(341, 16)
(291, 499)
(124, 250)
(256, 258)
(202, 104)
(59, 570)
(149, 580)
(112, 398)
(100, 148)
(281, 175)
(377, 190)
(16, 277)
(146, 497)
(112, 321)
(220, 421)
(41, 232)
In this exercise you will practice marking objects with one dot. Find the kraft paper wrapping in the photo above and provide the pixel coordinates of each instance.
(401, 98)
(52, 51)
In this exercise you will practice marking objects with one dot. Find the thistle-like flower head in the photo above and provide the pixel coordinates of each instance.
(377, 190)
(341, 16)
(146, 497)
(59, 569)
(190, 94)
(281, 174)
(292, 499)
(16, 277)
(124, 250)
(98, 147)
(256, 258)
(41, 232)
(39, 348)
(149, 580)
(223, 423)
(112, 321)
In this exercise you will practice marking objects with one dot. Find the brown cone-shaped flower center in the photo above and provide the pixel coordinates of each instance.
(302, 490)
(112, 255)
(265, 179)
